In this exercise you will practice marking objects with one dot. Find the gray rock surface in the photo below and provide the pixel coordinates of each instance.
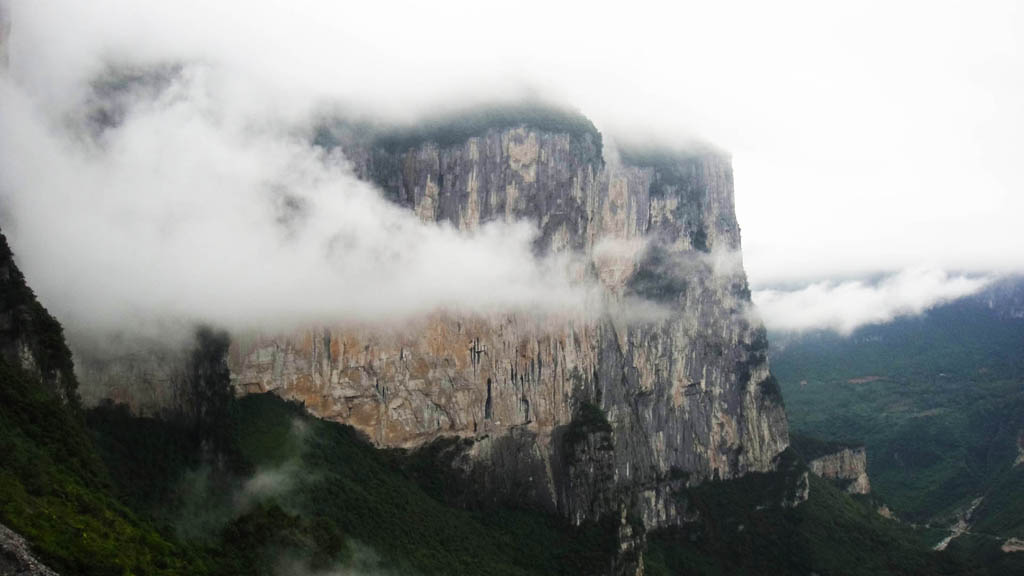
(16, 557)
(686, 395)
(849, 465)
(680, 387)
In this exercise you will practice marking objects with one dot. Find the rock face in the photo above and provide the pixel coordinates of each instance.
(848, 465)
(16, 558)
(580, 413)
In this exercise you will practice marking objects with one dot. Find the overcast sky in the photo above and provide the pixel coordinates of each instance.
(868, 138)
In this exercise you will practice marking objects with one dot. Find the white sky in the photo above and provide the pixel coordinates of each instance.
(867, 137)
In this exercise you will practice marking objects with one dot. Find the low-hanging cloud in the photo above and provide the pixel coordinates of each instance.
(845, 306)
(172, 201)
(236, 79)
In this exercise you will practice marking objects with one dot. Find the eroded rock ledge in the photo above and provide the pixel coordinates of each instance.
(848, 466)
(843, 463)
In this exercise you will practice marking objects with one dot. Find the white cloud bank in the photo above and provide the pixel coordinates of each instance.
(845, 306)
(194, 209)
(857, 148)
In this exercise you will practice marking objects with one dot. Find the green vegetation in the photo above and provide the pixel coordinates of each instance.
(226, 486)
(1002, 510)
(937, 400)
(318, 494)
(257, 486)
(933, 445)
(329, 492)
(589, 419)
(983, 550)
(964, 340)
(831, 533)
(28, 322)
(54, 490)
(363, 494)
(809, 447)
(455, 128)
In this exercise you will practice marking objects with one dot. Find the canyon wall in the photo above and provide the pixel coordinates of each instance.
(584, 413)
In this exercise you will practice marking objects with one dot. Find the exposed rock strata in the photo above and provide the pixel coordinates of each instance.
(583, 413)
(687, 396)
(16, 558)
(848, 466)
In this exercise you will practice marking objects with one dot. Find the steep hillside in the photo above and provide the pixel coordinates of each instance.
(54, 488)
(938, 400)
(30, 338)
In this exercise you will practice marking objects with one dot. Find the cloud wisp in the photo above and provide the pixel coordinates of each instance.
(845, 306)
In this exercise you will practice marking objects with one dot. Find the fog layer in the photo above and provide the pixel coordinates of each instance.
(845, 306)
(180, 203)
(868, 137)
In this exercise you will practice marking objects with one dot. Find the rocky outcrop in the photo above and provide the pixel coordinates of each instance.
(848, 466)
(800, 493)
(1013, 545)
(686, 395)
(16, 557)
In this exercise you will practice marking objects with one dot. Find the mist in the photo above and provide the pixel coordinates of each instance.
(186, 207)
(845, 306)
(198, 196)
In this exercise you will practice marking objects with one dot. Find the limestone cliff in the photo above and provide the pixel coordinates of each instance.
(848, 466)
(681, 398)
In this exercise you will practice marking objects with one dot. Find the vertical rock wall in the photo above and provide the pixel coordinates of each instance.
(687, 395)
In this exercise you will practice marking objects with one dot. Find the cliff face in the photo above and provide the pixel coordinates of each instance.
(16, 556)
(680, 398)
(848, 465)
